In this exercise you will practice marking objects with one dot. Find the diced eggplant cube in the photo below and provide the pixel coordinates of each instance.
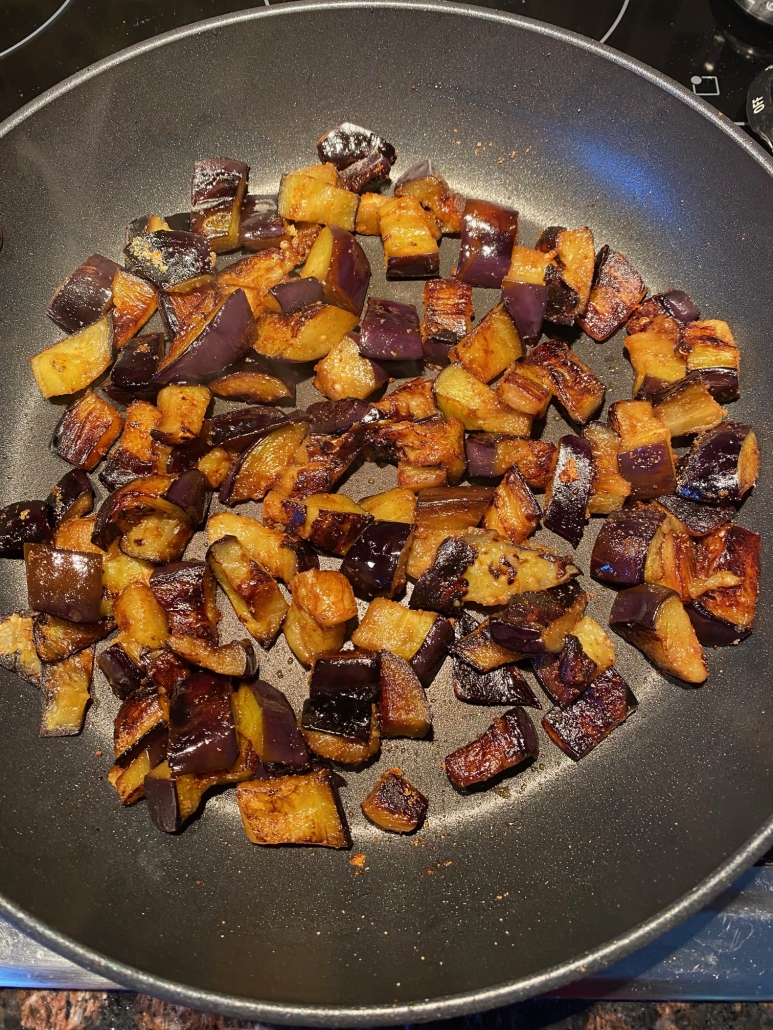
(293, 810)
(170, 259)
(620, 550)
(617, 289)
(489, 232)
(202, 737)
(24, 522)
(350, 674)
(568, 497)
(394, 804)
(722, 465)
(375, 564)
(85, 295)
(510, 740)
(538, 622)
(505, 685)
(403, 707)
(87, 430)
(604, 705)
(67, 584)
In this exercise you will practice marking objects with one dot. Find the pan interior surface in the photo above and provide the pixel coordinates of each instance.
(554, 862)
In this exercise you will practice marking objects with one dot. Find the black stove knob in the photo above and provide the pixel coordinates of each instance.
(759, 106)
(762, 10)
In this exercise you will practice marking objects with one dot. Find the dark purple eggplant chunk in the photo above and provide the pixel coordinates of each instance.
(436, 349)
(375, 563)
(71, 498)
(133, 371)
(241, 375)
(649, 469)
(526, 304)
(186, 591)
(202, 736)
(215, 186)
(722, 383)
(394, 804)
(372, 171)
(341, 716)
(722, 465)
(433, 651)
(503, 686)
(25, 522)
(67, 584)
(85, 295)
(420, 170)
(390, 331)
(680, 306)
(603, 706)
(620, 551)
(481, 454)
(538, 621)
(347, 276)
(466, 622)
(565, 676)
(120, 671)
(296, 294)
(348, 143)
(190, 491)
(510, 740)
(180, 221)
(567, 511)
(352, 674)
(223, 340)
(489, 232)
(260, 224)
(185, 457)
(331, 418)
(283, 742)
(237, 430)
(168, 258)
(442, 588)
(697, 519)
(711, 629)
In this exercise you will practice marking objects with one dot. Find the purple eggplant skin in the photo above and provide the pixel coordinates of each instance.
(697, 519)
(467, 622)
(637, 608)
(565, 676)
(433, 651)
(132, 374)
(222, 342)
(215, 179)
(181, 588)
(202, 735)
(260, 224)
(522, 626)
(390, 331)
(341, 716)
(352, 674)
(372, 171)
(72, 497)
(349, 143)
(296, 294)
(374, 561)
(237, 430)
(526, 304)
(283, 742)
(168, 258)
(722, 383)
(508, 741)
(85, 295)
(332, 418)
(481, 454)
(420, 170)
(680, 306)
(163, 804)
(120, 671)
(348, 276)
(489, 232)
(649, 469)
(710, 472)
(442, 588)
(435, 350)
(289, 373)
(190, 491)
(603, 706)
(566, 514)
(620, 551)
(25, 522)
(712, 630)
(67, 584)
(503, 686)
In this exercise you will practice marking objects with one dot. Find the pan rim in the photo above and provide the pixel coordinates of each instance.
(505, 993)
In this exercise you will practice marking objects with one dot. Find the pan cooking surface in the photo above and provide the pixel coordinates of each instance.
(506, 892)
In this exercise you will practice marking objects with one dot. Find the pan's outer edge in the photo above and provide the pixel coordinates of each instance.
(472, 1001)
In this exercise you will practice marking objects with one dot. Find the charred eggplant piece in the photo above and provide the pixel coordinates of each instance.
(526, 388)
(134, 301)
(722, 465)
(87, 431)
(604, 705)
(236, 658)
(65, 688)
(390, 331)
(257, 468)
(409, 235)
(352, 674)
(436, 197)
(293, 810)
(724, 615)
(340, 264)
(338, 715)
(132, 374)
(394, 804)
(653, 619)
(186, 591)
(609, 490)
(171, 260)
(577, 389)
(86, 294)
(202, 737)
(510, 740)
(402, 705)
(645, 458)
(308, 335)
(217, 189)
(375, 564)
(617, 289)
(489, 233)
(447, 318)
(569, 278)
(121, 671)
(538, 622)
(443, 586)
(478, 650)
(25, 522)
(564, 677)
(698, 519)
(505, 685)
(67, 584)
(250, 588)
(348, 144)
(263, 714)
(71, 498)
(568, 496)
(620, 550)
(283, 556)
(207, 351)
(260, 224)
(57, 639)
(337, 747)
(183, 410)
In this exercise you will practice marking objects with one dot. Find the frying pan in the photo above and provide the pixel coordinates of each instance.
(561, 868)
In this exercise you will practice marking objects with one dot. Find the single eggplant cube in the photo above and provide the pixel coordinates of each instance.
(349, 143)
(351, 674)
(510, 740)
(296, 294)
(237, 430)
(132, 374)
(565, 676)
(394, 804)
(85, 295)
(265, 717)
(402, 707)
(71, 498)
(443, 587)
(697, 519)
(190, 492)
(566, 511)
(86, 431)
(261, 226)
(202, 736)
(170, 259)
(620, 551)
(338, 716)
(489, 233)
(376, 562)
(390, 331)
(505, 685)
(217, 189)
(538, 621)
(722, 465)
(604, 705)
(525, 303)
(340, 264)
(25, 522)
(433, 651)
(120, 671)
(331, 418)
(67, 584)
(225, 338)
(186, 590)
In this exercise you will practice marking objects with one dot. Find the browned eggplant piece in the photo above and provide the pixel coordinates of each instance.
(576, 388)
(398, 505)
(443, 587)
(538, 622)
(526, 388)
(525, 303)
(217, 189)
(283, 556)
(140, 713)
(165, 671)
(71, 498)
(320, 463)
(725, 615)
(343, 372)
(17, 648)
(710, 348)
(338, 715)
(609, 489)
(459, 394)
(134, 301)
(236, 658)
(390, 331)
(389, 626)
(452, 508)
(260, 224)
(489, 232)
(149, 525)
(141, 619)
(341, 265)
(347, 750)
(352, 674)
(433, 443)
(394, 804)
(565, 676)
(313, 194)
(121, 671)
(490, 347)
(256, 379)
(205, 351)
(447, 318)
(25, 522)
(656, 358)
(186, 591)
(645, 458)
(349, 143)
(57, 639)
(375, 564)
(87, 431)
(293, 810)
(329, 521)
(331, 418)
(687, 407)
(128, 774)
(620, 550)
(237, 430)
(409, 235)
(308, 335)
(257, 468)
(491, 454)
(72, 364)
(435, 196)
(263, 714)
(508, 741)
(413, 400)
(617, 289)
(477, 649)
(137, 453)
(296, 294)
(402, 705)
(189, 491)
(505, 685)
(202, 737)
(66, 584)
(568, 495)
(654, 619)
(433, 650)
(250, 588)
(569, 278)
(603, 706)
(675, 304)
(65, 689)
(85, 295)
(722, 465)
(171, 260)
(698, 519)
(183, 410)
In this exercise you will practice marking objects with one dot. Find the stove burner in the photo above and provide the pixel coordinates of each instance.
(24, 20)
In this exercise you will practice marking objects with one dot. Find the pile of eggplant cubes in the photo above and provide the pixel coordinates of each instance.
(193, 712)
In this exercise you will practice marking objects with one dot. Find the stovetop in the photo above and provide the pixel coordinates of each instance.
(711, 47)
